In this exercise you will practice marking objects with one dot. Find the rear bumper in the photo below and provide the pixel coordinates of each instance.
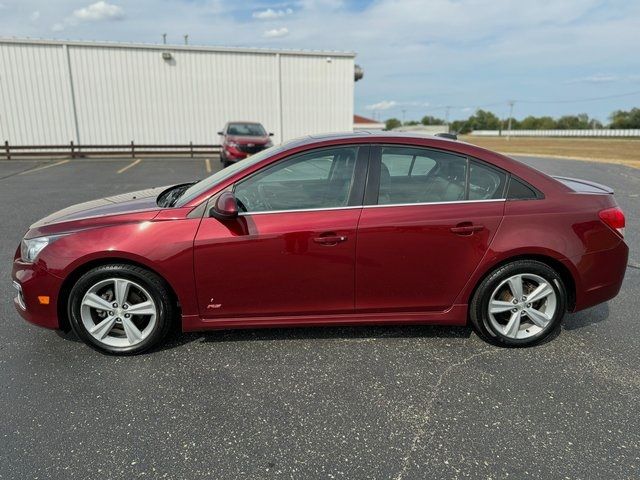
(30, 282)
(600, 275)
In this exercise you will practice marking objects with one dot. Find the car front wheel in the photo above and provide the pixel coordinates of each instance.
(519, 304)
(120, 309)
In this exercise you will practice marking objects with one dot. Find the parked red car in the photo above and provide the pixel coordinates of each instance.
(352, 229)
(240, 140)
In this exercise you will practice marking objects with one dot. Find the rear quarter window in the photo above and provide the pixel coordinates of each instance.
(518, 190)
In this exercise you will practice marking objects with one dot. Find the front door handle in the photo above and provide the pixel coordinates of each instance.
(466, 228)
(330, 240)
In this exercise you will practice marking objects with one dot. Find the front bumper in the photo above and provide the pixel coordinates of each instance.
(30, 282)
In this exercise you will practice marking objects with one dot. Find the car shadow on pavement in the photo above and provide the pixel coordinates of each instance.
(318, 333)
(597, 314)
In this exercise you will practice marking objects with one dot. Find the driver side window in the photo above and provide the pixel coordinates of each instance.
(319, 179)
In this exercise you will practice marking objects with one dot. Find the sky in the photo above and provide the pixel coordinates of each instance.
(551, 57)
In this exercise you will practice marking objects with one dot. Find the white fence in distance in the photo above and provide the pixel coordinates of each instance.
(631, 132)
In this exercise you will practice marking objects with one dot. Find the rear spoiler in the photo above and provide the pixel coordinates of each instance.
(584, 186)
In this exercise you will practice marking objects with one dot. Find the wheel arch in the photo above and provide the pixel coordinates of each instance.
(565, 274)
(79, 270)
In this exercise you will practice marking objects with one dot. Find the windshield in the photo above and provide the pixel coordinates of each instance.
(206, 183)
(246, 130)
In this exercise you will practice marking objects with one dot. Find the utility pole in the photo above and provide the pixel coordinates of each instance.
(511, 103)
(186, 39)
(403, 112)
(164, 38)
(446, 118)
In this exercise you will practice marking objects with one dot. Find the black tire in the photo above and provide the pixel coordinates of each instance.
(479, 307)
(152, 283)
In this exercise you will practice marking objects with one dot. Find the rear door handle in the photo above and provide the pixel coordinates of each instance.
(466, 228)
(330, 239)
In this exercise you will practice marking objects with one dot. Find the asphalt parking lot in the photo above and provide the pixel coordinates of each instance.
(384, 402)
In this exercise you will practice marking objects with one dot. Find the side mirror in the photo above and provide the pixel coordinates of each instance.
(225, 208)
(220, 132)
(271, 134)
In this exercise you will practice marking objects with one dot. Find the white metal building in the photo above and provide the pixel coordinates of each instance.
(54, 92)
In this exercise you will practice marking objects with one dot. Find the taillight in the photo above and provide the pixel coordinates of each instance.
(614, 217)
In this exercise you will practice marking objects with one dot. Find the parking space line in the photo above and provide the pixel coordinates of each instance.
(132, 164)
(207, 164)
(44, 167)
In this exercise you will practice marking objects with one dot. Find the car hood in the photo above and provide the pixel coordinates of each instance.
(142, 201)
(244, 140)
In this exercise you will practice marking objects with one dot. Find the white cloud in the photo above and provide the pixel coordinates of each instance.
(597, 78)
(99, 11)
(35, 16)
(270, 14)
(276, 32)
(383, 105)
(57, 27)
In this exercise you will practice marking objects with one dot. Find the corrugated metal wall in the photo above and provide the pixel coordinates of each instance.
(116, 94)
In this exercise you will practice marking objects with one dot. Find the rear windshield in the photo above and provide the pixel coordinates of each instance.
(246, 129)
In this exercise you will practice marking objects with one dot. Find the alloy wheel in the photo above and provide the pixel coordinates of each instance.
(522, 306)
(118, 312)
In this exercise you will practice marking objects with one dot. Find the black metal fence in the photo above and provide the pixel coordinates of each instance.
(129, 150)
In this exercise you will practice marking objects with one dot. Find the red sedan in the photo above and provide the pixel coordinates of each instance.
(334, 230)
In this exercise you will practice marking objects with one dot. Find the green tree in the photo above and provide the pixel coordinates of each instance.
(429, 120)
(484, 120)
(625, 119)
(392, 123)
(411, 123)
(572, 122)
(537, 123)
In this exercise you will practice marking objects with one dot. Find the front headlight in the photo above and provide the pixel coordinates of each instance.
(232, 144)
(30, 248)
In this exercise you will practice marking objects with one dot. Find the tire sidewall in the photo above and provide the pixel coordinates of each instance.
(480, 305)
(145, 279)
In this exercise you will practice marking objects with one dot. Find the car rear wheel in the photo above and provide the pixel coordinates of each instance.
(121, 309)
(519, 304)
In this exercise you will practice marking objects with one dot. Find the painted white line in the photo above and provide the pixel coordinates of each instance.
(45, 166)
(132, 164)
(207, 163)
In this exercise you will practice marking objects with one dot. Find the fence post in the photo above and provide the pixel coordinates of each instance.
(133, 150)
(73, 154)
(6, 147)
(191, 148)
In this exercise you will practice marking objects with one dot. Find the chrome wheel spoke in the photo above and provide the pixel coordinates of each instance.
(133, 334)
(103, 328)
(143, 308)
(499, 306)
(121, 290)
(515, 285)
(541, 291)
(512, 328)
(536, 316)
(95, 301)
